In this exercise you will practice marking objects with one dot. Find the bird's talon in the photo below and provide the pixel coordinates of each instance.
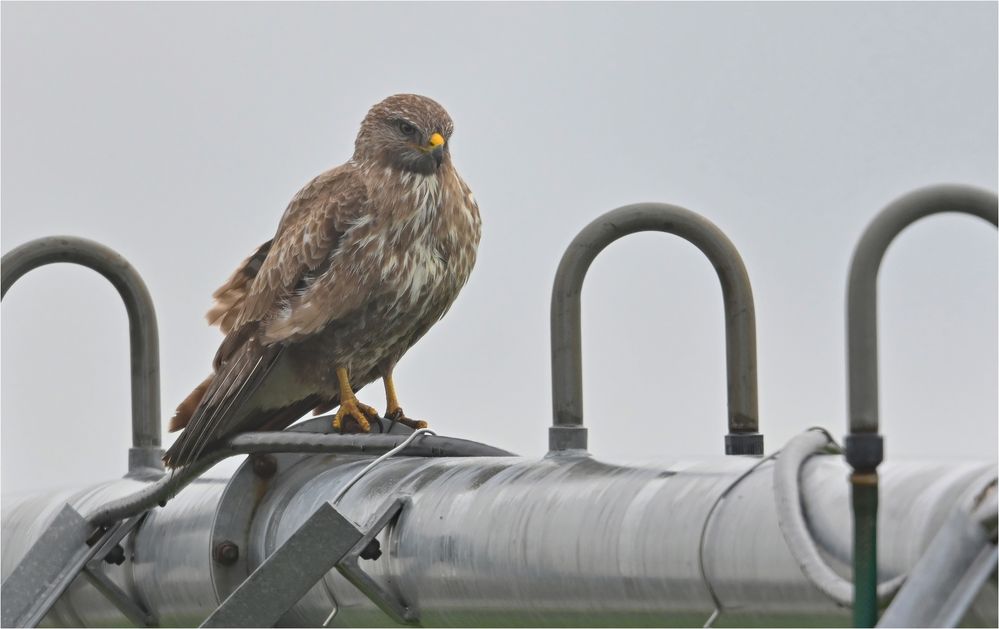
(359, 413)
(398, 416)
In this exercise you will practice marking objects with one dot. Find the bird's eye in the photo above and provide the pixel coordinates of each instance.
(406, 128)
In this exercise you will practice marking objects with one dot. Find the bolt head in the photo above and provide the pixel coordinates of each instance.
(372, 551)
(264, 465)
(226, 553)
(116, 556)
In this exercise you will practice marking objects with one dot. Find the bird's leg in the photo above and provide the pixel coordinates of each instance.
(394, 410)
(350, 406)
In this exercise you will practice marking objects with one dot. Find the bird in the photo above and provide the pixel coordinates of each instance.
(367, 257)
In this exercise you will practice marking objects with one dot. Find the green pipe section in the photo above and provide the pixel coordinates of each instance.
(865, 549)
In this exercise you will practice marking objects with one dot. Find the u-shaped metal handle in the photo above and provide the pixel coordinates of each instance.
(567, 431)
(142, 328)
(864, 445)
(861, 297)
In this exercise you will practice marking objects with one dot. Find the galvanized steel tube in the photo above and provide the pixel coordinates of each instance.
(565, 540)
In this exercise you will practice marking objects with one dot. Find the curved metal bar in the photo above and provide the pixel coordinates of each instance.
(168, 486)
(567, 431)
(861, 293)
(143, 333)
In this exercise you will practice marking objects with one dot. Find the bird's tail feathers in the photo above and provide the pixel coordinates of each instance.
(221, 409)
(185, 410)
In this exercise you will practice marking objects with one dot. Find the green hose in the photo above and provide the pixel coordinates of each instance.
(865, 549)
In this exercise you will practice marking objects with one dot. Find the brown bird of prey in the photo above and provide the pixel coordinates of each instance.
(367, 257)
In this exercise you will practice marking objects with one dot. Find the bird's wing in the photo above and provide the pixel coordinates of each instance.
(309, 232)
(231, 296)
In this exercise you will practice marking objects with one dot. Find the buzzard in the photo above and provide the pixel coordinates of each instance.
(366, 258)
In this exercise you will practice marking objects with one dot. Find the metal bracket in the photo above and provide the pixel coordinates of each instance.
(326, 540)
(349, 568)
(94, 573)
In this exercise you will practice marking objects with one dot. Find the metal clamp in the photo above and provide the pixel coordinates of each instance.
(567, 431)
(864, 446)
(145, 453)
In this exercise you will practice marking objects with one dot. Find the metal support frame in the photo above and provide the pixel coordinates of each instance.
(567, 431)
(864, 446)
(145, 454)
(47, 569)
(284, 577)
(396, 609)
(324, 541)
(943, 584)
(94, 572)
(69, 545)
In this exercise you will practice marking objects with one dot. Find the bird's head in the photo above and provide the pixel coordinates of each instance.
(408, 132)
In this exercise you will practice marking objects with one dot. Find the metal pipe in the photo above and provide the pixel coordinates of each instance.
(145, 454)
(567, 431)
(508, 541)
(864, 502)
(861, 292)
(800, 541)
(864, 446)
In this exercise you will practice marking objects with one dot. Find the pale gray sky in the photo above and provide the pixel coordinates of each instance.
(176, 134)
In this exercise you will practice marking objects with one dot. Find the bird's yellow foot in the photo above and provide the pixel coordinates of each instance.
(358, 412)
(397, 416)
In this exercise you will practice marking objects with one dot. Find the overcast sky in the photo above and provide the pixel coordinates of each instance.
(176, 134)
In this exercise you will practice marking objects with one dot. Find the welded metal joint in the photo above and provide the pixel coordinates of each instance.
(144, 458)
(567, 432)
(864, 444)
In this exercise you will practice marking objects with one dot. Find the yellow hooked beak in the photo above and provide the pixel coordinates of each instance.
(436, 140)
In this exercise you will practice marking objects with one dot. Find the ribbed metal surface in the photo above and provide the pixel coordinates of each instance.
(173, 556)
(513, 541)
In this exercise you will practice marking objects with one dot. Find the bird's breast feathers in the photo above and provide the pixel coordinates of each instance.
(429, 239)
(415, 244)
